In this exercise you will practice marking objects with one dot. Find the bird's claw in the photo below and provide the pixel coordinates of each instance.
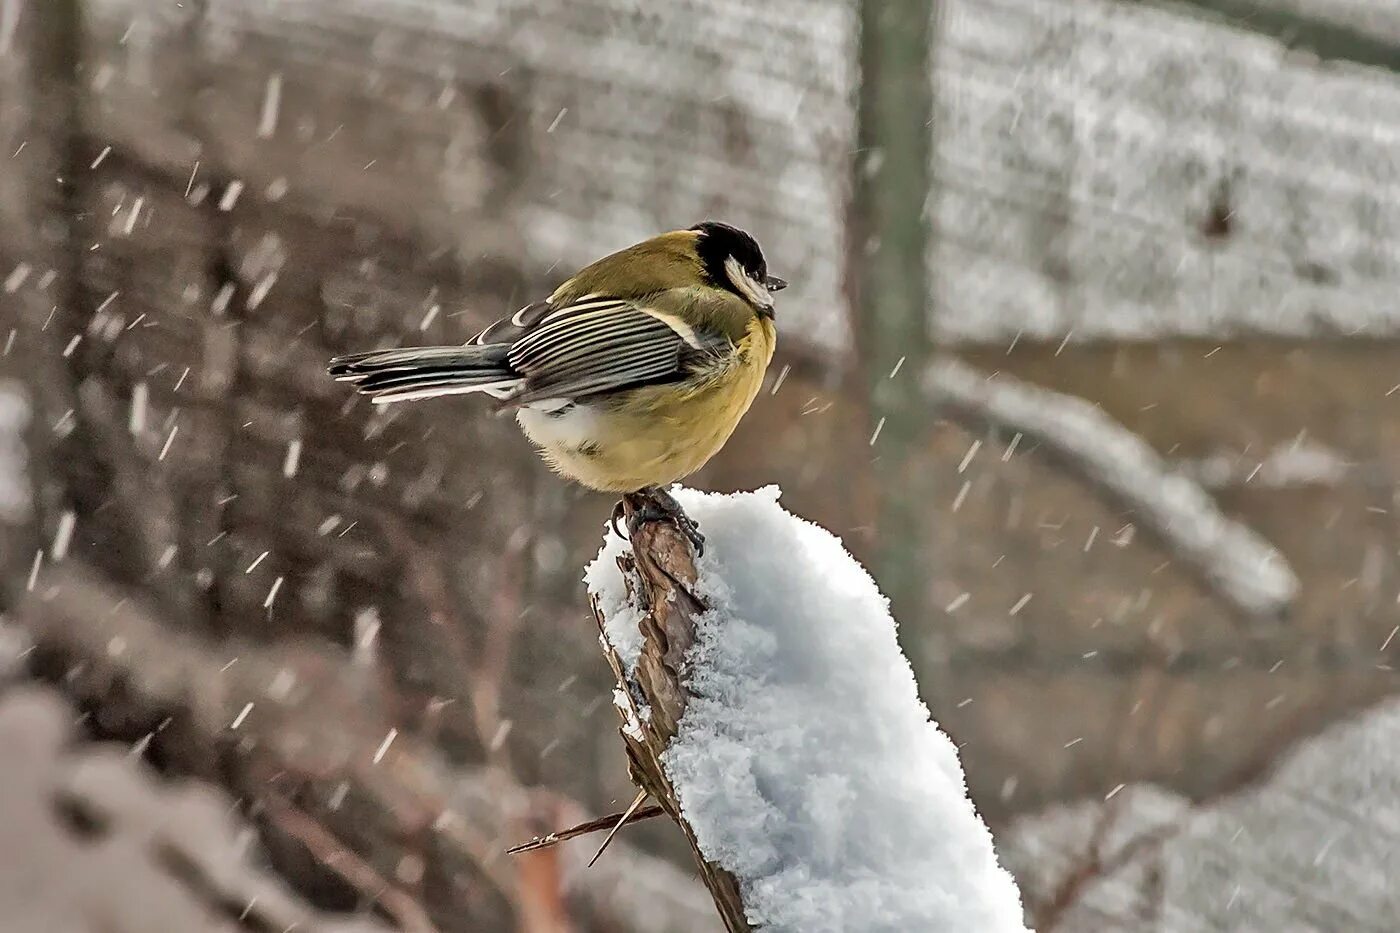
(691, 531)
(657, 505)
(684, 524)
(619, 513)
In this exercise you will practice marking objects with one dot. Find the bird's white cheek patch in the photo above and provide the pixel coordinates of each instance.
(752, 290)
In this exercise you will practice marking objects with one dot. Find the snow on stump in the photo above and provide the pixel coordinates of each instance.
(767, 707)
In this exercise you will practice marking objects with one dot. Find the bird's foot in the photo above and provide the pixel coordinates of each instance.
(655, 504)
(619, 513)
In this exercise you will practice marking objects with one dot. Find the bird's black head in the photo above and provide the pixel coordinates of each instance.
(733, 260)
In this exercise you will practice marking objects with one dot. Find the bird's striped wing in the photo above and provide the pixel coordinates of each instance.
(594, 345)
(511, 329)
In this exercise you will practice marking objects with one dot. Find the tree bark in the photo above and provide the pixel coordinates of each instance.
(661, 575)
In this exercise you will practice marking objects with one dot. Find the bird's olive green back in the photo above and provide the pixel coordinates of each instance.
(666, 273)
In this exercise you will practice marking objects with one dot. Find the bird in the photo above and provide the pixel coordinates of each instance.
(629, 377)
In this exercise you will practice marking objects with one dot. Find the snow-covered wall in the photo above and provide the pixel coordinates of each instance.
(1086, 153)
(1121, 170)
(806, 763)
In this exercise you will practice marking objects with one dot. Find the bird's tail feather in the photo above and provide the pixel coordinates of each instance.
(425, 372)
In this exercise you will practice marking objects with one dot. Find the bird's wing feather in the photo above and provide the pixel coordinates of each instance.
(596, 344)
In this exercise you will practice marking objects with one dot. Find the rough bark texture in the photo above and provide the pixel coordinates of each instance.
(661, 576)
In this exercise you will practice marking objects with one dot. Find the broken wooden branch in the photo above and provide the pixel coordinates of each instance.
(767, 706)
(661, 579)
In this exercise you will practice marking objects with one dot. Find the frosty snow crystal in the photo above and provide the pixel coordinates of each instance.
(806, 763)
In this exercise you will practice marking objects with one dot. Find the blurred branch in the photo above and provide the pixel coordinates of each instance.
(38, 86)
(485, 669)
(147, 509)
(1240, 565)
(329, 852)
(84, 455)
(490, 674)
(1104, 856)
(304, 722)
(108, 845)
(428, 580)
(1305, 840)
(1298, 463)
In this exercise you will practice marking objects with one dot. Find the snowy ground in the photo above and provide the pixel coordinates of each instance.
(806, 762)
(1312, 847)
(156, 856)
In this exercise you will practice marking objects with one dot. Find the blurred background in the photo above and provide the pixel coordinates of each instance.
(1089, 355)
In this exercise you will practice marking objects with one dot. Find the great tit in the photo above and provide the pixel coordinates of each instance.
(631, 376)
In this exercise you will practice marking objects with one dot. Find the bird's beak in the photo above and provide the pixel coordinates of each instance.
(775, 284)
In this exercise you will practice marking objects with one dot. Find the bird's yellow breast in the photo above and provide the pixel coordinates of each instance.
(656, 435)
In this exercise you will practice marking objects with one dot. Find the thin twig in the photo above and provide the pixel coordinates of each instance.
(583, 829)
(359, 874)
(626, 817)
